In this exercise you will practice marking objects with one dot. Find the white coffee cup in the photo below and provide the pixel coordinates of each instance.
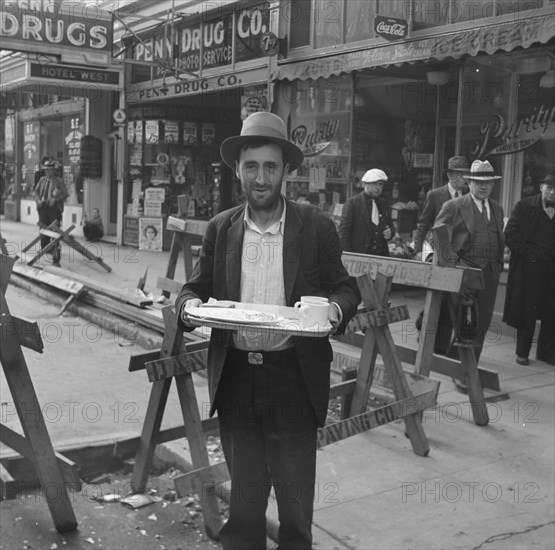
(313, 311)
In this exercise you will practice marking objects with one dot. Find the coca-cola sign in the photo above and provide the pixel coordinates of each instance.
(390, 28)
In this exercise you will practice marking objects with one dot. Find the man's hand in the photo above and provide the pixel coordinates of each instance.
(193, 302)
(419, 256)
(334, 316)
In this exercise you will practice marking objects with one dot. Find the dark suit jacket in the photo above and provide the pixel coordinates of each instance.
(434, 201)
(357, 233)
(311, 266)
(530, 235)
(459, 215)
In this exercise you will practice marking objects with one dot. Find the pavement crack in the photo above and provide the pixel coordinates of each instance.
(504, 536)
(335, 537)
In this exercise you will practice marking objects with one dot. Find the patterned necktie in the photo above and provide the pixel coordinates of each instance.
(375, 213)
(484, 211)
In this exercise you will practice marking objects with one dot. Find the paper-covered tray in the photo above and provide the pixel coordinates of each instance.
(262, 318)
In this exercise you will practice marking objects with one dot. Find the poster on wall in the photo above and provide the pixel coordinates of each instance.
(253, 100)
(150, 234)
(190, 133)
(31, 153)
(131, 132)
(208, 134)
(171, 131)
(152, 131)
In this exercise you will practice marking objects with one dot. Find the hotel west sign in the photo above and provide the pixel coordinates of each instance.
(78, 32)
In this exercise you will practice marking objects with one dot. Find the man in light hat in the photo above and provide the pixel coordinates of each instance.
(271, 390)
(530, 296)
(365, 225)
(475, 223)
(456, 186)
(50, 194)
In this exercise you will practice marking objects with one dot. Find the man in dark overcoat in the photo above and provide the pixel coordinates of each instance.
(365, 225)
(530, 235)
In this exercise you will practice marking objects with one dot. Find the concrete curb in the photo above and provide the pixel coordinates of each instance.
(146, 338)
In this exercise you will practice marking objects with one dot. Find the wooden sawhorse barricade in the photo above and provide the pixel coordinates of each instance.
(54, 470)
(179, 360)
(58, 236)
(436, 280)
(186, 234)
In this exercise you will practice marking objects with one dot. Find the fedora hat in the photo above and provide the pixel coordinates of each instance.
(266, 126)
(50, 164)
(457, 164)
(482, 170)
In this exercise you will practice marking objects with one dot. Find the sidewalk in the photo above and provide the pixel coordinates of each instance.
(480, 487)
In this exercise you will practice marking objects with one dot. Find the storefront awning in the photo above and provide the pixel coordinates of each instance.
(58, 79)
(490, 39)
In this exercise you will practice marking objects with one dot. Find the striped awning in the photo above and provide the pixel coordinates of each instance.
(487, 39)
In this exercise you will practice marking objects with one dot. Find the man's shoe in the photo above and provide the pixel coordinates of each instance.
(548, 360)
(461, 386)
(522, 360)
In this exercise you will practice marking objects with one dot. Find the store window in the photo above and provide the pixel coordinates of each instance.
(536, 110)
(298, 13)
(485, 111)
(318, 118)
(359, 15)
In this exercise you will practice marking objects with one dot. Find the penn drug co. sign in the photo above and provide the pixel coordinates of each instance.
(212, 42)
(78, 32)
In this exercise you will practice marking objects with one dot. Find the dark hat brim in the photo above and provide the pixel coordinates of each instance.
(229, 150)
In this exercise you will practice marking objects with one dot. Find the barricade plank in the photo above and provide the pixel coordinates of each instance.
(355, 425)
(168, 367)
(197, 480)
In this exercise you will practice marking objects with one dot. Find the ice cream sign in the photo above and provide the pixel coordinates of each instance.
(500, 138)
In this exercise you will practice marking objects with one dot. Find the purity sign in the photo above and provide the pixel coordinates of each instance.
(210, 42)
(76, 31)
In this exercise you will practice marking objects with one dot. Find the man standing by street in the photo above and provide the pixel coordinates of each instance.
(457, 168)
(365, 225)
(530, 235)
(50, 194)
(475, 223)
(270, 390)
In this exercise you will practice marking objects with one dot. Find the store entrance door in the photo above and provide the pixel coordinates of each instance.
(111, 225)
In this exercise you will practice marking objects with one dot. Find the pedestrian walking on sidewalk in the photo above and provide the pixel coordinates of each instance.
(530, 296)
(50, 194)
(271, 391)
(456, 186)
(365, 225)
(475, 222)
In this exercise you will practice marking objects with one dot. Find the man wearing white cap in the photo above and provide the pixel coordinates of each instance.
(365, 222)
(475, 223)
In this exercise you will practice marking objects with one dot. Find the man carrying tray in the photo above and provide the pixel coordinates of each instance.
(271, 391)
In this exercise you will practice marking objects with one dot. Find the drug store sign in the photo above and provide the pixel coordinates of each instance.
(209, 43)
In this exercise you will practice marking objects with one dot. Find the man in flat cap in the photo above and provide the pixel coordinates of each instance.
(365, 225)
(271, 390)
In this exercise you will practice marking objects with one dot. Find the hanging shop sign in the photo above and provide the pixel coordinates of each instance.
(390, 28)
(78, 32)
(138, 93)
(212, 42)
(500, 138)
(73, 74)
(502, 36)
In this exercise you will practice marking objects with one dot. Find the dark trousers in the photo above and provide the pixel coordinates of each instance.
(485, 304)
(545, 348)
(268, 434)
(48, 214)
(92, 232)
